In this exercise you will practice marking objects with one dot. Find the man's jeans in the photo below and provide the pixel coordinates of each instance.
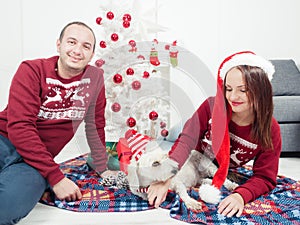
(21, 186)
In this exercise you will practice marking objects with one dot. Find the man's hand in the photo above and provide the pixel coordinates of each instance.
(232, 204)
(67, 190)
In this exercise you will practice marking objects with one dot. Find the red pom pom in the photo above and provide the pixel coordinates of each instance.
(117, 78)
(99, 62)
(127, 17)
(146, 74)
(102, 44)
(114, 37)
(98, 20)
(153, 115)
(116, 107)
(110, 15)
(164, 133)
(132, 43)
(162, 124)
(136, 85)
(126, 24)
(129, 71)
(131, 122)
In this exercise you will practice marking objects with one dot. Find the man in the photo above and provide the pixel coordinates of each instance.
(48, 100)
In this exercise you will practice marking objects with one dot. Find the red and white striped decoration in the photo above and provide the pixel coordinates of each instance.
(137, 143)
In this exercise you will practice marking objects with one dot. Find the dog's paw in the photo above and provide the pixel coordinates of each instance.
(193, 204)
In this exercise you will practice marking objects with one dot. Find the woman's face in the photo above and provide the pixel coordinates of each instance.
(236, 93)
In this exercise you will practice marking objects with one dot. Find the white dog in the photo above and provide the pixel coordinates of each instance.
(155, 165)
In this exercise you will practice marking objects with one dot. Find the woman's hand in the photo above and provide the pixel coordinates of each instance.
(232, 204)
(157, 192)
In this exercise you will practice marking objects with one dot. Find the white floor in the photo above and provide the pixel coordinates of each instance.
(47, 215)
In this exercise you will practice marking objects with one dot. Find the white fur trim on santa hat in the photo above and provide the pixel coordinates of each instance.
(250, 59)
(209, 193)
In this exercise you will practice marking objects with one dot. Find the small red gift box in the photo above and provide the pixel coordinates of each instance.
(124, 154)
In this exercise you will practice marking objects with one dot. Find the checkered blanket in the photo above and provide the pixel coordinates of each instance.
(280, 206)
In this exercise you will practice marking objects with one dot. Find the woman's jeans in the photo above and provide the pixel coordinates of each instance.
(21, 186)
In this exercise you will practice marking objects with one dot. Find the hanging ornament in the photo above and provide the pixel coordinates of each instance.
(153, 115)
(102, 44)
(146, 74)
(110, 15)
(127, 17)
(136, 85)
(130, 71)
(131, 122)
(98, 20)
(115, 107)
(99, 62)
(126, 24)
(154, 54)
(117, 78)
(173, 52)
(164, 132)
(162, 124)
(114, 37)
(132, 43)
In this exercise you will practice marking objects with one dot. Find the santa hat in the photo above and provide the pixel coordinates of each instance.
(137, 143)
(220, 133)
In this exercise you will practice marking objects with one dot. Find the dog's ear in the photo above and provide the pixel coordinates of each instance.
(133, 178)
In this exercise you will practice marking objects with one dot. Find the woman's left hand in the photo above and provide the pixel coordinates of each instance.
(232, 204)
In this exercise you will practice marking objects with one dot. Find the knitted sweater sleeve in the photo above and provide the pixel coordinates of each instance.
(192, 133)
(23, 107)
(265, 169)
(95, 123)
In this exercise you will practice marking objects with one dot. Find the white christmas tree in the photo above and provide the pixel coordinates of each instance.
(136, 88)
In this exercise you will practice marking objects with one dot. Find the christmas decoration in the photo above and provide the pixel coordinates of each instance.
(136, 85)
(153, 115)
(173, 53)
(131, 122)
(133, 80)
(154, 53)
(115, 107)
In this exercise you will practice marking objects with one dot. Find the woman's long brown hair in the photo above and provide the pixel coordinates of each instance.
(260, 94)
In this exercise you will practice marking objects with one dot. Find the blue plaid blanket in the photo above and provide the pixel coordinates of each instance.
(280, 206)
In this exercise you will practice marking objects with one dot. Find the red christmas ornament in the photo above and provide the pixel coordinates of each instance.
(114, 37)
(127, 17)
(162, 124)
(131, 122)
(129, 71)
(146, 74)
(110, 15)
(126, 24)
(115, 107)
(153, 115)
(136, 85)
(117, 78)
(132, 43)
(99, 62)
(102, 44)
(98, 20)
(164, 133)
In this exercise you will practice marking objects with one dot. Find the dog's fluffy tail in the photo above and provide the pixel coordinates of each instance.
(209, 193)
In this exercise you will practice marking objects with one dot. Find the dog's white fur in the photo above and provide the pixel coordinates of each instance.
(155, 165)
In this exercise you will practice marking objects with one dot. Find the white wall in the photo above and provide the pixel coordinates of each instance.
(210, 29)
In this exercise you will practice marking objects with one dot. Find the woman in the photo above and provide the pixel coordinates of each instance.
(234, 127)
